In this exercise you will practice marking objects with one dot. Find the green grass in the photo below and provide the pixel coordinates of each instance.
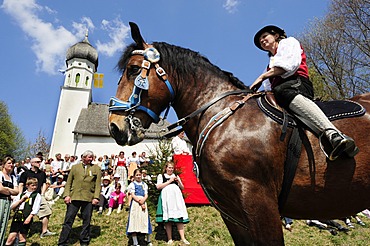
(205, 228)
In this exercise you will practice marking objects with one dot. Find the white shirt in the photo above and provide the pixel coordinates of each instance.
(179, 146)
(35, 204)
(56, 165)
(288, 56)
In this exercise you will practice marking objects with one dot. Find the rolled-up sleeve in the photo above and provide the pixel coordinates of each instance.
(288, 56)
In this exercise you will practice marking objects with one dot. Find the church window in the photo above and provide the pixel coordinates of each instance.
(69, 120)
(87, 81)
(77, 80)
(69, 79)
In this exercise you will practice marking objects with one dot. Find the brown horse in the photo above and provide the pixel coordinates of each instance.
(241, 161)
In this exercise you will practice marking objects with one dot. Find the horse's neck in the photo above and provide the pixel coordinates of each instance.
(195, 95)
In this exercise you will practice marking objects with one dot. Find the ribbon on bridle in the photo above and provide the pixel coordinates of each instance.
(151, 57)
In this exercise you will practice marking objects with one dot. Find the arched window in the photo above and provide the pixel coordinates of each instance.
(77, 80)
(87, 81)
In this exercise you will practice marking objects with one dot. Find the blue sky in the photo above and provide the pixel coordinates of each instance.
(37, 33)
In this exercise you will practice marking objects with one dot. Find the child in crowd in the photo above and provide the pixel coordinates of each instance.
(116, 199)
(26, 205)
(138, 219)
(104, 194)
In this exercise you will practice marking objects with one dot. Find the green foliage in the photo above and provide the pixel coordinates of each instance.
(158, 156)
(12, 141)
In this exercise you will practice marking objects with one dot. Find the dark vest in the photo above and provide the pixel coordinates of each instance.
(8, 184)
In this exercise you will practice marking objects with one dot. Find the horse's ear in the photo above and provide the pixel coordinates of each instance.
(136, 35)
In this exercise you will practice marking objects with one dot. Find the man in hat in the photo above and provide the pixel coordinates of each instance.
(293, 90)
(106, 189)
(58, 187)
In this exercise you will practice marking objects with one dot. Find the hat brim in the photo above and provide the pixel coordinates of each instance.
(268, 29)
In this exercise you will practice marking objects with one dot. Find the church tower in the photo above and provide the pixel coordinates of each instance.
(76, 94)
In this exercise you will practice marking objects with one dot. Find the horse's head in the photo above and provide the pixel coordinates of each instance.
(143, 92)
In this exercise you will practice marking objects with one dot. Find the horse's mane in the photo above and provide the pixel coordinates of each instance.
(174, 56)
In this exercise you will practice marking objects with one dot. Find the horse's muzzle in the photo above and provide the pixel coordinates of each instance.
(124, 132)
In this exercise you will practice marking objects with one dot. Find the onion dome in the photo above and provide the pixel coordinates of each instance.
(83, 50)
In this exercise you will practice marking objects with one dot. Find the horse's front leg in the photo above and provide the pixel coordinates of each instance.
(261, 216)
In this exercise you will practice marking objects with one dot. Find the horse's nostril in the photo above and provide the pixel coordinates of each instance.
(113, 129)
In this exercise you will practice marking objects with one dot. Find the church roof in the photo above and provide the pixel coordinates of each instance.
(83, 50)
(93, 121)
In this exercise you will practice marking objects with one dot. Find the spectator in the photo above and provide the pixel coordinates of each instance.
(66, 166)
(171, 204)
(47, 169)
(84, 181)
(56, 167)
(144, 161)
(132, 163)
(105, 163)
(138, 220)
(349, 223)
(146, 178)
(26, 205)
(27, 163)
(45, 209)
(8, 188)
(58, 187)
(73, 160)
(120, 169)
(104, 194)
(179, 145)
(288, 223)
(41, 157)
(116, 199)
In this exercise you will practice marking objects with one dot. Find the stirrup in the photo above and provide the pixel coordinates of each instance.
(346, 145)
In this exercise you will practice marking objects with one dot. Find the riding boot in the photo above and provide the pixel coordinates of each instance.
(310, 113)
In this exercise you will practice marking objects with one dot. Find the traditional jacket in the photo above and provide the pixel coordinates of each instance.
(83, 183)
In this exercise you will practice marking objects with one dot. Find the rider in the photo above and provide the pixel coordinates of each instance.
(293, 90)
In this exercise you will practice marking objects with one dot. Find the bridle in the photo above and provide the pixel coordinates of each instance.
(151, 58)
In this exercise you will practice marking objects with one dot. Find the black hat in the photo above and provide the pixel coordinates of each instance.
(39, 153)
(269, 29)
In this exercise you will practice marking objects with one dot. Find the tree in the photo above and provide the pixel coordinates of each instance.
(40, 145)
(338, 48)
(12, 141)
(158, 156)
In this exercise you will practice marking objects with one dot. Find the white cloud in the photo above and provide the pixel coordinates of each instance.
(231, 5)
(118, 32)
(50, 42)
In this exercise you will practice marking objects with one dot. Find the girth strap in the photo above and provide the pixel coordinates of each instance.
(290, 165)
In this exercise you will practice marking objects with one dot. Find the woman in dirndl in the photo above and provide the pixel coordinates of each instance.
(8, 188)
(133, 163)
(171, 205)
(138, 219)
(121, 170)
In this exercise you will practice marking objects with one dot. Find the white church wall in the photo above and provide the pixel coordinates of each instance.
(70, 104)
(107, 146)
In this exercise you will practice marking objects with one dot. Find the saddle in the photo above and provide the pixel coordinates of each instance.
(334, 110)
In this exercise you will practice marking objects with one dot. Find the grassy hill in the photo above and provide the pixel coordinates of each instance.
(205, 228)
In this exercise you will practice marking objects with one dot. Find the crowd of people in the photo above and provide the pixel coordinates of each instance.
(86, 183)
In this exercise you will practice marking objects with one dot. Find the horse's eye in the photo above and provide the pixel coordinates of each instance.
(133, 70)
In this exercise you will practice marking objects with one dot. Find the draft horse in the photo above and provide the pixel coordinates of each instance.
(241, 159)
